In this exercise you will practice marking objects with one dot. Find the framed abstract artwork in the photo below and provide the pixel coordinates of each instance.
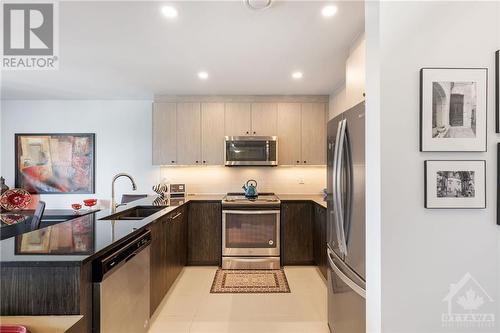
(453, 109)
(455, 184)
(55, 163)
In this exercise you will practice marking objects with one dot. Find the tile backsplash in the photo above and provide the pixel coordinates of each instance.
(220, 179)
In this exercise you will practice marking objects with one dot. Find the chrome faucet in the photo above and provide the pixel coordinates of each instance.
(113, 202)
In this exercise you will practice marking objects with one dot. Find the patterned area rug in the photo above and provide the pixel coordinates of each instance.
(250, 281)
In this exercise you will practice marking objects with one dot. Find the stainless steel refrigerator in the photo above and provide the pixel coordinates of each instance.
(346, 222)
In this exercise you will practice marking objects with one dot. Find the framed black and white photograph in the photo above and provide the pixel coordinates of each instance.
(497, 89)
(455, 184)
(453, 109)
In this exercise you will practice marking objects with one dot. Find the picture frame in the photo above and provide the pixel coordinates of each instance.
(453, 109)
(455, 184)
(497, 90)
(55, 163)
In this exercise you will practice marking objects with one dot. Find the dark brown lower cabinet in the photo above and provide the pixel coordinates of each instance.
(320, 256)
(204, 233)
(176, 245)
(303, 234)
(168, 253)
(158, 277)
(297, 231)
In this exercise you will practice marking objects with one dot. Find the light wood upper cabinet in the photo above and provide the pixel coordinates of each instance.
(355, 75)
(164, 133)
(188, 133)
(191, 131)
(212, 133)
(237, 119)
(313, 133)
(264, 119)
(289, 133)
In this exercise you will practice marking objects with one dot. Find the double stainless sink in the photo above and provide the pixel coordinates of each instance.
(135, 213)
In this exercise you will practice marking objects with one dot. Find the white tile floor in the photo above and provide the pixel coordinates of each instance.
(189, 306)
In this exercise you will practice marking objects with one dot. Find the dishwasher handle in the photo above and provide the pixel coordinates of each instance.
(108, 263)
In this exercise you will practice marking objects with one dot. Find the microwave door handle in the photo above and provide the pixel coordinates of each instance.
(267, 151)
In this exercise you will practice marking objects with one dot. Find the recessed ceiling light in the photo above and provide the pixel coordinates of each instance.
(203, 75)
(169, 11)
(329, 11)
(258, 4)
(297, 75)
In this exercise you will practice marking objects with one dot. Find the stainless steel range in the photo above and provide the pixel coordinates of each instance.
(251, 231)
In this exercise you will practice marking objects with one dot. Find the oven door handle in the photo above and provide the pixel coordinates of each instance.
(250, 212)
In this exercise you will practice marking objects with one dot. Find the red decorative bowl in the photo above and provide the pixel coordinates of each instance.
(90, 202)
(76, 207)
(15, 198)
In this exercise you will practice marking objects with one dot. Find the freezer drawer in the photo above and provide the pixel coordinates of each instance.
(346, 300)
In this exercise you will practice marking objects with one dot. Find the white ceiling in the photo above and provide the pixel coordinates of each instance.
(129, 50)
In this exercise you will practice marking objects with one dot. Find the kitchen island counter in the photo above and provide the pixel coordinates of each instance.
(24, 219)
(80, 239)
(49, 271)
(43, 324)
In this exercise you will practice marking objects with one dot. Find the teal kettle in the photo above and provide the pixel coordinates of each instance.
(250, 188)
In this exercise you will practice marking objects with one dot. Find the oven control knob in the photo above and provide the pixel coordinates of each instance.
(271, 242)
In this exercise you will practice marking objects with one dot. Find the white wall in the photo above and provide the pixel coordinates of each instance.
(424, 251)
(123, 140)
(373, 186)
(1, 128)
(1, 146)
(219, 179)
(350, 93)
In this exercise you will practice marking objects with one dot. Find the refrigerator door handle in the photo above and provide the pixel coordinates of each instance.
(357, 289)
(349, 187)
(340, 203)
(335, 181)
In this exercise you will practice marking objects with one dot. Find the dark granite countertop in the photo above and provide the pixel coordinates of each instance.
(316, 198)
(23, 220)
(77, 240)
(85, 237)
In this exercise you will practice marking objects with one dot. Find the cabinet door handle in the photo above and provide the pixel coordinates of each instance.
(254, 132)
(176, 216)
(197, 162)
(248, 132)
(204, 161)
(298, 162)
(305, 162)
(173, 161)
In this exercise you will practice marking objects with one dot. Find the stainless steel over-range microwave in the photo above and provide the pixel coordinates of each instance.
(251, 150)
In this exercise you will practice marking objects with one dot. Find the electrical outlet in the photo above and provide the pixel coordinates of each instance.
(301, 181)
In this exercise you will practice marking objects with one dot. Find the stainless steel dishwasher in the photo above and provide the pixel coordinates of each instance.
(121, 288)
